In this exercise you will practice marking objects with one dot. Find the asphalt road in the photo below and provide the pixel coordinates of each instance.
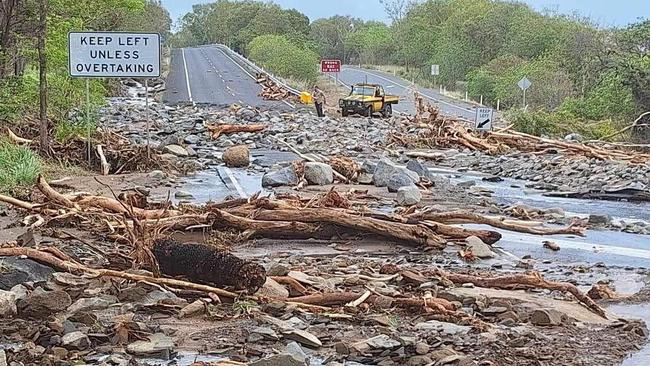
(207, 75)
(398, 86)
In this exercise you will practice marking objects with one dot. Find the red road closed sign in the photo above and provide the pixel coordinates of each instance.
(330, 65)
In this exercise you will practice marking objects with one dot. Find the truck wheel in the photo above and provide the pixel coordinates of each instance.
(388, 110)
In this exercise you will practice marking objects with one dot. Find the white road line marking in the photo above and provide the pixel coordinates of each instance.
(235, 183)
(187, 76)
(422, 94)
(238, 65)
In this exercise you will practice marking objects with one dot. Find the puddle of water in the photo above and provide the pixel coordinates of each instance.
(642, 311)
(182, 360)
(215, 185)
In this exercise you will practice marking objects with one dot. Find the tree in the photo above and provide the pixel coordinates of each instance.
(277, 54)
(42, 67)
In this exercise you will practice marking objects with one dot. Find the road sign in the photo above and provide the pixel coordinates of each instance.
(435, 70)
(330, 65)
(524, 83)
(484, 118)
(114, 54)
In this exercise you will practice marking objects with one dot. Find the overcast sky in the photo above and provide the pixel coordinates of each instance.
(604, 12)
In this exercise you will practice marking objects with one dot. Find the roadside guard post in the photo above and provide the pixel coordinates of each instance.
(484, 119)
(331, 67)
(114, 55)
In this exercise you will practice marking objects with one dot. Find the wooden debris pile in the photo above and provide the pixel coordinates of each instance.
(271, 90)
(333, 214)
(435, 130)
(226, 129)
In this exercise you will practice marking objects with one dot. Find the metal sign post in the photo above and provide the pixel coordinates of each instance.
(88, 132)
(146, 116)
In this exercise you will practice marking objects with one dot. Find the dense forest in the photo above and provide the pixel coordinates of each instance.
(580, 72)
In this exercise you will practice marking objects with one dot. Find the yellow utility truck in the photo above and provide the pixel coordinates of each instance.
(366, 100)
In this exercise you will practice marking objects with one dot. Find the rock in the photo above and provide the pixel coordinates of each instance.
(3, 358)
(379, 342)
(192, 139)
(415, 165)
(7, 304)
(422, 348)
(176, 150)
(265, 333)
(368, 167)
(236, 156)
(296, 351)
(492, 179)
(75, 341)
(319, 173)
(303, 337)
(494, 310)
(277, 269)
(408, 196)
(479, 248)
(597, 219)
(399, 180)
(92, 303)
(549, 244)
(467, 184)
(41, 304)
(272, 289)
(383, 171)
(16, 270)
(450, 359)
(157, 174)
(158, 346)
(283, 177)
(278, 360)
(546, 317)
(195, 308)
(573, 137)
(444, 328)
(364, 178)
(419, 361)
(183, 195)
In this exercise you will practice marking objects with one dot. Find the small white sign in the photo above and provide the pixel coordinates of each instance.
(114, 54)
(484, 119)
(435, 70)
(524, 83)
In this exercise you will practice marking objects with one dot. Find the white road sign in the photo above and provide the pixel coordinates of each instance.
(114, 54)
(524, 83)
(435, 70)
(484, 119)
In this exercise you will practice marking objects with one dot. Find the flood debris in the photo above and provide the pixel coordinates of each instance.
(204, 264)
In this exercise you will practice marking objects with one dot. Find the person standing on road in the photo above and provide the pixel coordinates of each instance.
(319, 100)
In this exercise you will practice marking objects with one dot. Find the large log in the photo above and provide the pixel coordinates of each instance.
(414, 234)
(458, 217)
(218, 130)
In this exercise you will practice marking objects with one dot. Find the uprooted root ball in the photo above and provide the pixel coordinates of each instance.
(204, 264)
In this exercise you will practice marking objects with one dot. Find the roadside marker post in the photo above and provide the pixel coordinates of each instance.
(524, 84)
(114, 55)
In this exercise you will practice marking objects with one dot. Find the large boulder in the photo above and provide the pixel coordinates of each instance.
(408, 196)
(479, 248)
(283, 177)
(319, 173)
(399, 180)
(237, 156)
(416, 166)
(385, 169)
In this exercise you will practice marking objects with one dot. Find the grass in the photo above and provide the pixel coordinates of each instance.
(19, 167)
(68, 130)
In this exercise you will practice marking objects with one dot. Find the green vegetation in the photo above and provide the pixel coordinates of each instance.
(278, 54)
(581, 74)
(19, 167)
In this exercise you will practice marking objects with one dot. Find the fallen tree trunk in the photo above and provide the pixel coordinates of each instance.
(115, 206)
(415, 234)
(218, 130)
(533, 280)
(472, 218)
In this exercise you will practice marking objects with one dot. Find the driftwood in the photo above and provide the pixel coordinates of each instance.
(16, 139)
(218, 130)
(472, 218)
(532, 279)
(105, 166)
